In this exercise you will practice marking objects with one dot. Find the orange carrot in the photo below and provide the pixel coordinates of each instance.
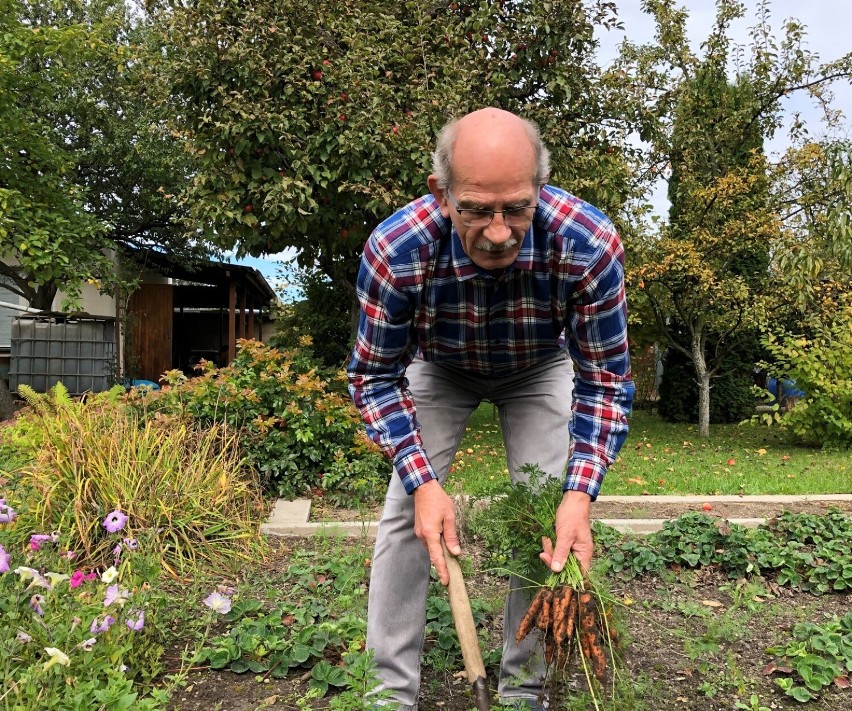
(530, 616)
(571, 617)
(544, 620)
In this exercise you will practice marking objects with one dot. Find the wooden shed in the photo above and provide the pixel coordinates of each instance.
(193, 314)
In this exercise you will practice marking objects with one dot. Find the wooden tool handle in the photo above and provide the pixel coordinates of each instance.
(463, 618)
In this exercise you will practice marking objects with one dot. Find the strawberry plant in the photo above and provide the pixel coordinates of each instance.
(817, 656)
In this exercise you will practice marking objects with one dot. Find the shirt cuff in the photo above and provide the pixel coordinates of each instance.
(584, 475)
(414, 468)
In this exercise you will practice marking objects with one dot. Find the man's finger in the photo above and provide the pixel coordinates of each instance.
(560, 554)
(451, 538)
(436, 555)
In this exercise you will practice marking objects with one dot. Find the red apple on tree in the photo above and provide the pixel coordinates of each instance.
(249, 208)
(316, 75)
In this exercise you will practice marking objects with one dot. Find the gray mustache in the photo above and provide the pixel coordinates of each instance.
(486, 246)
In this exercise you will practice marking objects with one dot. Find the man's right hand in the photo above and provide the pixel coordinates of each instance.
(435, 515)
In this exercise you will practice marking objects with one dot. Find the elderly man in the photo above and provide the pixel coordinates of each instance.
(464, 295)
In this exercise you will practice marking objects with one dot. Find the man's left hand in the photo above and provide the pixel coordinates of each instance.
(573, 533)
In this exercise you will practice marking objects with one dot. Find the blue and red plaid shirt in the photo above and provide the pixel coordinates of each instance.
(421, 295)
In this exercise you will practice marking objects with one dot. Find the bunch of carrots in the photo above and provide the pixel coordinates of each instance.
(570, 616)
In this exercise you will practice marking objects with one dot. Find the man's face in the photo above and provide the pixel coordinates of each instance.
(493, 169)
(491, 244)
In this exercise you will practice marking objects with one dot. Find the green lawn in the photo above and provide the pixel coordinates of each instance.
(664, 458)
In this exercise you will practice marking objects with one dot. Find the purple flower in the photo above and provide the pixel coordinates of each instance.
(135, 620)
(115, 521)
(113, 594)
(7, 513)
(70, 555)
(218, 603)
(23, 637)
(131, 543)
(87, 645)
(37, 539)
(77, 578)
(36, 603)
(4, 560)
(98, 625)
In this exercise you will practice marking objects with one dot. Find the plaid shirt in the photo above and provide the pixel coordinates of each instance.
(421, 295)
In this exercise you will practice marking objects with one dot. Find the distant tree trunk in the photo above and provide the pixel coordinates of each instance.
(703, 379)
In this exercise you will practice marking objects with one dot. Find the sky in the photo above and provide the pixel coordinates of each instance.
(828, 24)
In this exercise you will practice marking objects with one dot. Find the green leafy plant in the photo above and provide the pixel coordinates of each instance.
(76, 638)
(820, 363)
(297, 425)
(314, 629)
(84, 459)
(806, 551)
(819, 655)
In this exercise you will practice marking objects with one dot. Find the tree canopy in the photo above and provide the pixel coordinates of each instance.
(306, 134)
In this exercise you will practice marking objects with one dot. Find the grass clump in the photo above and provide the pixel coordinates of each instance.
(85, 459)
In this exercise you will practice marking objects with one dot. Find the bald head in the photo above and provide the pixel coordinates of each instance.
(483, 140)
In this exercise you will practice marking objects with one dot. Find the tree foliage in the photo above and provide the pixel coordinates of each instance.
(88, 166)
(706, 271)
(44, 224)
(307, 133)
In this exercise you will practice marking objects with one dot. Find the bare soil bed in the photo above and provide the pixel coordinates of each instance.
(638, 509)
(690, 643)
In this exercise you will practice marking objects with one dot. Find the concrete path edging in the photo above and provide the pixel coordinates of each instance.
(292, 518)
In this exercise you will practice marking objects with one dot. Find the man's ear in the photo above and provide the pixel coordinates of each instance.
(440, 194)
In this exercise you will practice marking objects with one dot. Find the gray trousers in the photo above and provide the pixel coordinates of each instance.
(535, 409)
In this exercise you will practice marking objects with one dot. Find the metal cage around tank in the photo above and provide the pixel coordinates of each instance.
(76, 350)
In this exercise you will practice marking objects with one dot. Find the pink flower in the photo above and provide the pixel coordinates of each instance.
(99, 625)
(4, 560)
(36, 603)
(91, 576)
(7, 513)
(77, 578)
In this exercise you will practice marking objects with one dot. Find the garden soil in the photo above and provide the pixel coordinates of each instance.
(638, 509)
(663, 653)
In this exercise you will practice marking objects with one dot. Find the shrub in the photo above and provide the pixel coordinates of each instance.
(821, 366)
(298, 425)
(85, 459)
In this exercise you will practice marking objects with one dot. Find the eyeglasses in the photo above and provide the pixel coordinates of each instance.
(474, 217)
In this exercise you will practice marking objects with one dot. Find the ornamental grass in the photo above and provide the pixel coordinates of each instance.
(189, 485)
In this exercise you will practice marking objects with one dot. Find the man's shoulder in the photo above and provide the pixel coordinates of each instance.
(574, 223)
(561, 212)
(416, 225)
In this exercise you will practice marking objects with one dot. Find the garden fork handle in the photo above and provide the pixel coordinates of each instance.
(466, 630)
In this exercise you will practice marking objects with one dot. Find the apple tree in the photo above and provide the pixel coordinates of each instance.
(310, 123)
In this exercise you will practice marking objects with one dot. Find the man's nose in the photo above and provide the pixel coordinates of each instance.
(497, 230)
